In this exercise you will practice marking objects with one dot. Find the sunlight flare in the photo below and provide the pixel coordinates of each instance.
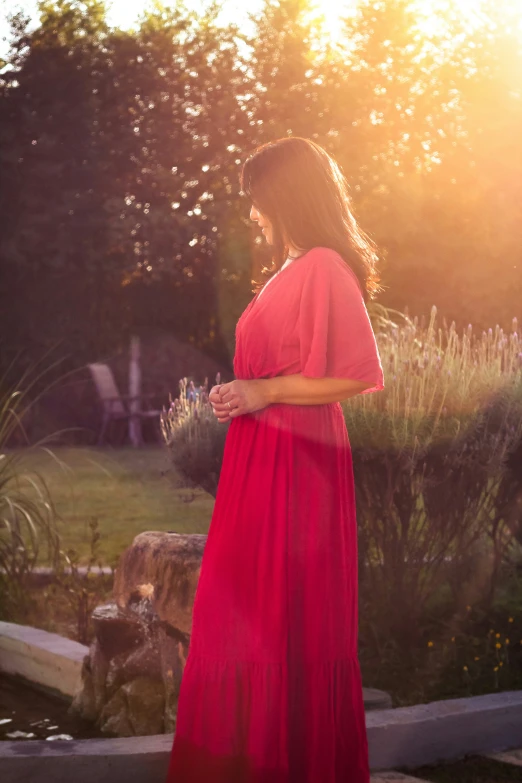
(433, 17)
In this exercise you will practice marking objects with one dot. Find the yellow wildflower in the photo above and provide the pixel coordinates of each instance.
(511, 620)
(507, 641)
(495, 669)
(498, 646)
(477, 658)
(497, 636)
(430, 644)
(465, 668)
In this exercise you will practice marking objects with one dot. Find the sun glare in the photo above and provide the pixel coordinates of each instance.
(329, 14)
(433, 16)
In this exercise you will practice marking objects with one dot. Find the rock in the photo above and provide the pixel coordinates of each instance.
(83, 702)
(143, 661)
(374, 699)
(132, 675)
(172, 654)
(145, 705)
(163, 567)
(99, 669)
(117, 629)
(114, 718)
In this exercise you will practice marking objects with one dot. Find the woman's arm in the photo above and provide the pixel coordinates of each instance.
(299, 390)
(247, 396)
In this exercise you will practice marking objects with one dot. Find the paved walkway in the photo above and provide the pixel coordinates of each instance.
(508, 757)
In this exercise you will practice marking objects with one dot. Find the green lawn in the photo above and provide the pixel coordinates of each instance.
(127, 490)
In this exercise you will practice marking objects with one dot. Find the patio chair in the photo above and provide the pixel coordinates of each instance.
(115, 406)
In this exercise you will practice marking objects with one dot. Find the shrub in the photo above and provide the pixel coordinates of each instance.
(29, 523)
(436, 514)
(27, 514)
(82, 591)
(195, 438)
(438, 488)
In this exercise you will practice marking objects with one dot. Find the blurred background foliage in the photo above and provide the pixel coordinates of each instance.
(120, 209)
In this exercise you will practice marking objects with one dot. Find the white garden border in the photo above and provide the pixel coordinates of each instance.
(46, 659)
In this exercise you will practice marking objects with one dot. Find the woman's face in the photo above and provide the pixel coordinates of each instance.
(263, 223)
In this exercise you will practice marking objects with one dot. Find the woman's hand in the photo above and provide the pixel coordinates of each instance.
(243, 396)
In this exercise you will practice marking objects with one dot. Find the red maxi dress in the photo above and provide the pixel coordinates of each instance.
(271, 691)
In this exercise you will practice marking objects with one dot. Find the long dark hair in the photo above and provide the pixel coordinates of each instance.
(300, 188)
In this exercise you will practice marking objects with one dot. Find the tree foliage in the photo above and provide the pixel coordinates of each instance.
(120, 150)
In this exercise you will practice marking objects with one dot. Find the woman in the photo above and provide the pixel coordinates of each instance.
(271, 691)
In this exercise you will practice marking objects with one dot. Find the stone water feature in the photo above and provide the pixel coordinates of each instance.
(132, 674)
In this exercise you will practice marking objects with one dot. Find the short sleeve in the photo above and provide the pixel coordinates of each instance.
(335, 332)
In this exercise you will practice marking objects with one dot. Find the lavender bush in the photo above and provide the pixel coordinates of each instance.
(194, 437)
(439, 485)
